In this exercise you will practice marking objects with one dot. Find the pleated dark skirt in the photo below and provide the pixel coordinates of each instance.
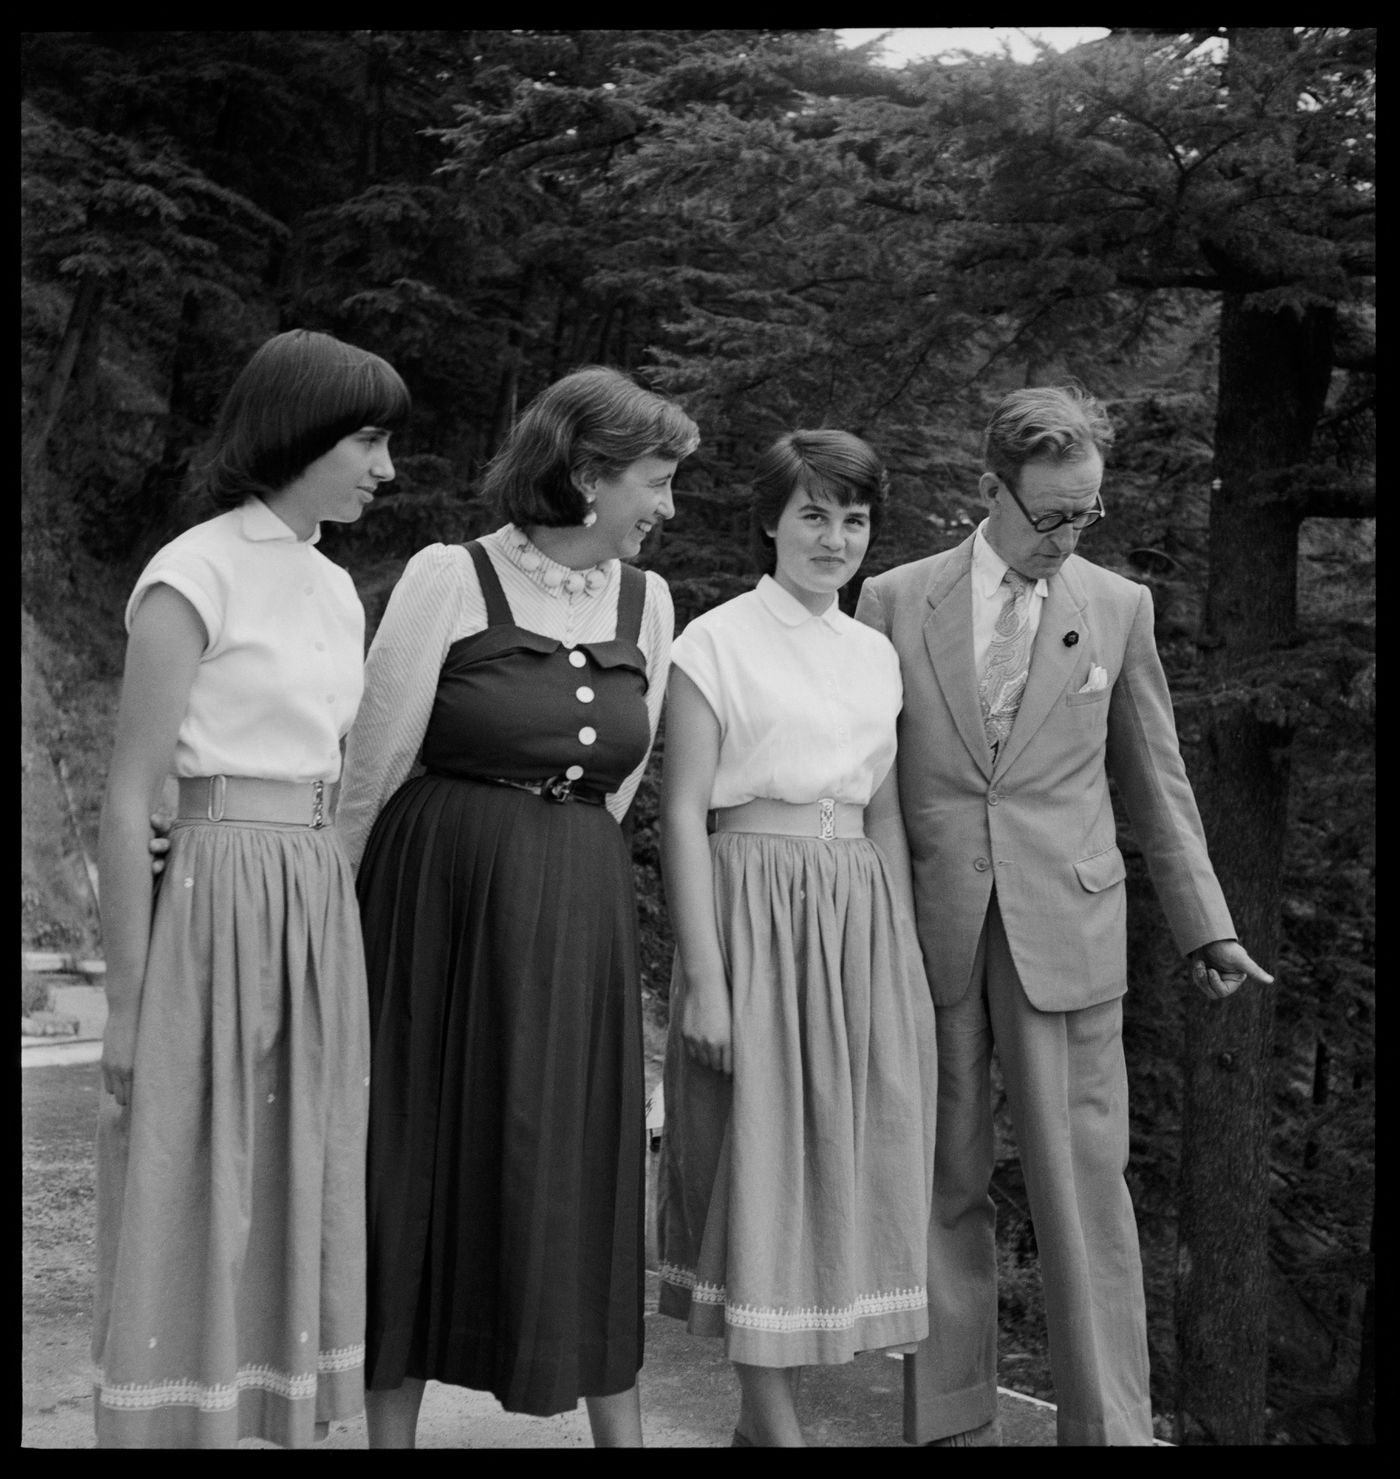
(506, 1172)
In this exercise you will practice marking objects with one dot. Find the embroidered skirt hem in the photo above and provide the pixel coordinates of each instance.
(797, 1337)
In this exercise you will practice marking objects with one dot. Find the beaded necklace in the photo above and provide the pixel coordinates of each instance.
(553, 576)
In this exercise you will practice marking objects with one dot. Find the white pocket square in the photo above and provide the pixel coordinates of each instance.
(1098, 679)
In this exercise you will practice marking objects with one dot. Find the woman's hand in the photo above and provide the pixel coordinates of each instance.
(119, 1055)
(706, 1028)
(159, 844)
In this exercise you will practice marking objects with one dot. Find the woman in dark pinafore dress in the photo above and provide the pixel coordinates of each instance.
(506, 1142)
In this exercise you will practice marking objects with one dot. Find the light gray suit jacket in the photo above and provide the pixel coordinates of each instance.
(1040, 822)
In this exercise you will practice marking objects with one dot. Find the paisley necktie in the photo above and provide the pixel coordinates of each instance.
(1008, 661)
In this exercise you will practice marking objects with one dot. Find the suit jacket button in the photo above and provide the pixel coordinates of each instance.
(982, 864)
(992, 798)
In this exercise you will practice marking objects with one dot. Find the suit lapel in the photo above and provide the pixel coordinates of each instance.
(1052, 663)
(948, 639)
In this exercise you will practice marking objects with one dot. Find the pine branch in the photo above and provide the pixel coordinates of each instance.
(1207, 282)
(1316, 492)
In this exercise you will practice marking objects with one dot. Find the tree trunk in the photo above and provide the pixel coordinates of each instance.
(82, 321)
(372, 96)
(1274, 372)
(508, 387)
(1364, 1418)
(154, 517)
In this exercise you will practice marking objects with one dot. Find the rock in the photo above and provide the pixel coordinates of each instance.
(47, 1024)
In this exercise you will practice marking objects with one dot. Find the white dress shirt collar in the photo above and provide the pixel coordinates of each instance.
(791, 612)
(989, 569)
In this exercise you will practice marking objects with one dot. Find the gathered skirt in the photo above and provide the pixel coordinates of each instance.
(506, 1142)
(230, 1191)
(794, 1197)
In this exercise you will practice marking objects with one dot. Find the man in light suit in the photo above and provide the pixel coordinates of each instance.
(1030, 677)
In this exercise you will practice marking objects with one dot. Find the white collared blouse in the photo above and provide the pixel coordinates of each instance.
(806, 704)
(281, 676)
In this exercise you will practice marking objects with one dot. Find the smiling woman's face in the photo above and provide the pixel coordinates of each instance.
(630, 505)
(819, 546)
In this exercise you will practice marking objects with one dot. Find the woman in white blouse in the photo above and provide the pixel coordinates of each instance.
(799, 1083)
(526, 671)
(230, 1288)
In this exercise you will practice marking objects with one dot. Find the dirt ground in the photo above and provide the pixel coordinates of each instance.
(57, 1259)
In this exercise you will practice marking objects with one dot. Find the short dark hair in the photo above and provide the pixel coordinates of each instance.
(299, 395)
(1054, 423)
(829, 464)
(594, 420)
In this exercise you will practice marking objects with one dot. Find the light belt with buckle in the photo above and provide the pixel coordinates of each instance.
(245, 798)
(825, 819)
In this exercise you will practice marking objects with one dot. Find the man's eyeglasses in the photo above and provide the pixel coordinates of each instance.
(1048, 523)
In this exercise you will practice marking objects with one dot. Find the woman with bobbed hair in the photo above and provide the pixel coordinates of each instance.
(797, 1159)
(230, 1151)
(525, 670)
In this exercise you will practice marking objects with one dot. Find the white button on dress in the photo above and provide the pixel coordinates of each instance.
(587, 735)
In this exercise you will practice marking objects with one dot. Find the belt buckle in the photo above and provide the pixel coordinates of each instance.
(557, 788)
(221, 782)
(826, 819)
(318, 815)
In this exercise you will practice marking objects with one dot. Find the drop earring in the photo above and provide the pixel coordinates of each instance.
(591, 517)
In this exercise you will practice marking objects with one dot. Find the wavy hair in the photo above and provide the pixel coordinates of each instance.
(828, 464)
(292, 402)
(1052, 423)
(595, 420)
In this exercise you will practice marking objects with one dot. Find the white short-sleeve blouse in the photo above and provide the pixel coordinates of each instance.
(806, 704)
(282, 674)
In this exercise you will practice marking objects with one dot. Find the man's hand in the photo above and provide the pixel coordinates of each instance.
(1222, 967)
(159, 844)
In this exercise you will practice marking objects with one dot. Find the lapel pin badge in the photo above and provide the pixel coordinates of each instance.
(1071, 638)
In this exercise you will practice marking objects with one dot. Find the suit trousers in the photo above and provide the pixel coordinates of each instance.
(1067, 1086)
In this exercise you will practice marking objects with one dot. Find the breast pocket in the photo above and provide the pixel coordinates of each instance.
(1082, 700)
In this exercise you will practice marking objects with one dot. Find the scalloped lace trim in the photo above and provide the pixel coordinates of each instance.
(136, 1397)
(767, 1317)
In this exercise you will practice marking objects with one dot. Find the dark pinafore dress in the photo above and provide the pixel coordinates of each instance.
(506, 1127)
